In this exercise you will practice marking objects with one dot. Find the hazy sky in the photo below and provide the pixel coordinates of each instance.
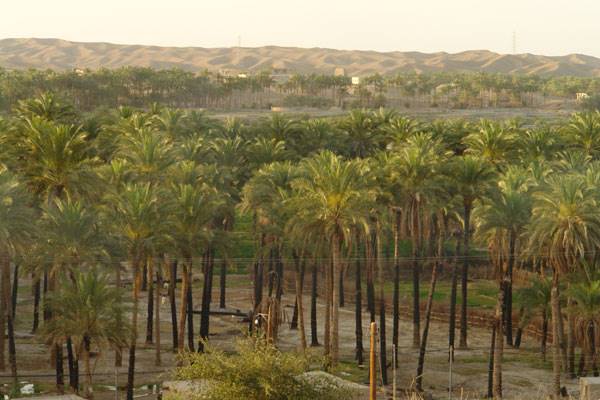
(549, 27)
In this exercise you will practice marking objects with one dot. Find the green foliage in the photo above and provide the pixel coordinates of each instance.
(89, 309)
(258, 371)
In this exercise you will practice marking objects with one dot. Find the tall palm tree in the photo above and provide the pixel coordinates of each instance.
(90, 313)
(471, 177)
(192, 209)
(565, 227)
(136, 214)
(585, 308)
(583, 131)
(55, 160)
(263, 195)
(71, 234)
(415, 164)
(331, 200)
(15, 231)
(493, 142)
(536, 299)
(503, 220)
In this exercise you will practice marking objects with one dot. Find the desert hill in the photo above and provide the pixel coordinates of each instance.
(63, 55)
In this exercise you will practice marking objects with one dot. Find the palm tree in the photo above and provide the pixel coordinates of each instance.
(471, 177)
(584, 132)
(136, 217)
(536, 299)
(331, 201)
(585, 307)
(15, 232)
(263, 195)
(192, 210)
(71, 234)
(415, 163)
(89, 312)
(46, 106)
(565, 227)
(503, 220)
(362, 137)
(439, 235)
(55, 160)
(493, 142)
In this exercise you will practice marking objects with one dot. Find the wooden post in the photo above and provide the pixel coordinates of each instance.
(373, 364)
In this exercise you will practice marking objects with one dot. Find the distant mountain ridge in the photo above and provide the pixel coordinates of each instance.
(65, 55)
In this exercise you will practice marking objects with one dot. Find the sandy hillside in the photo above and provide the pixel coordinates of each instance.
(60, 54)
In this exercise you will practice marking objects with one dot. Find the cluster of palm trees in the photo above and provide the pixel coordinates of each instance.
(138, 86)
(93, 203)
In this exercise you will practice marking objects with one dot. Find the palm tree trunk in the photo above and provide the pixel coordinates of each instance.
(299, 304)
(341, 287)
(335, 312)
(15, 289)
(12, 349)
(172, 288)
(561, 336)
(490, 388)
(499, 343)
(396, 298)
(314, 339)
(37, 288)
(206, 300)
(570, 340)
(328, 303)
(464, 279)
(589, 359)
(294, 323)
(183, 304)
(88, 372)
(544, 334)
(382, 336)
(190, 311)
(519, 335)
(118, 284)
(416, 283)
(555, 335)
(423, 344)
(73, 365)
(150, 314)
(223, 282)
(508, 290)
(369, 244)
(137, 283)
(358, 310)
(453, 295)
(4, 307)
(60, 373)
(157, 360)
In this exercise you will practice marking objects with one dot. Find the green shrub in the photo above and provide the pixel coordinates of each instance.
(257, 371)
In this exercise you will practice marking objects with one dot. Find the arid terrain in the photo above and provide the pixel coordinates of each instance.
(61, 55)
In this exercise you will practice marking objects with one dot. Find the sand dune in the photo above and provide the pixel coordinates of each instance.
(62, 55)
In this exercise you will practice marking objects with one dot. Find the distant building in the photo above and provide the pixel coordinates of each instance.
(339, 72)
(356, 80)
(243, 76)
(79, 71)
(226, 72)
(582, 96)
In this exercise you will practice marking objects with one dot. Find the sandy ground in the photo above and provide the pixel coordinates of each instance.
(524, 377)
